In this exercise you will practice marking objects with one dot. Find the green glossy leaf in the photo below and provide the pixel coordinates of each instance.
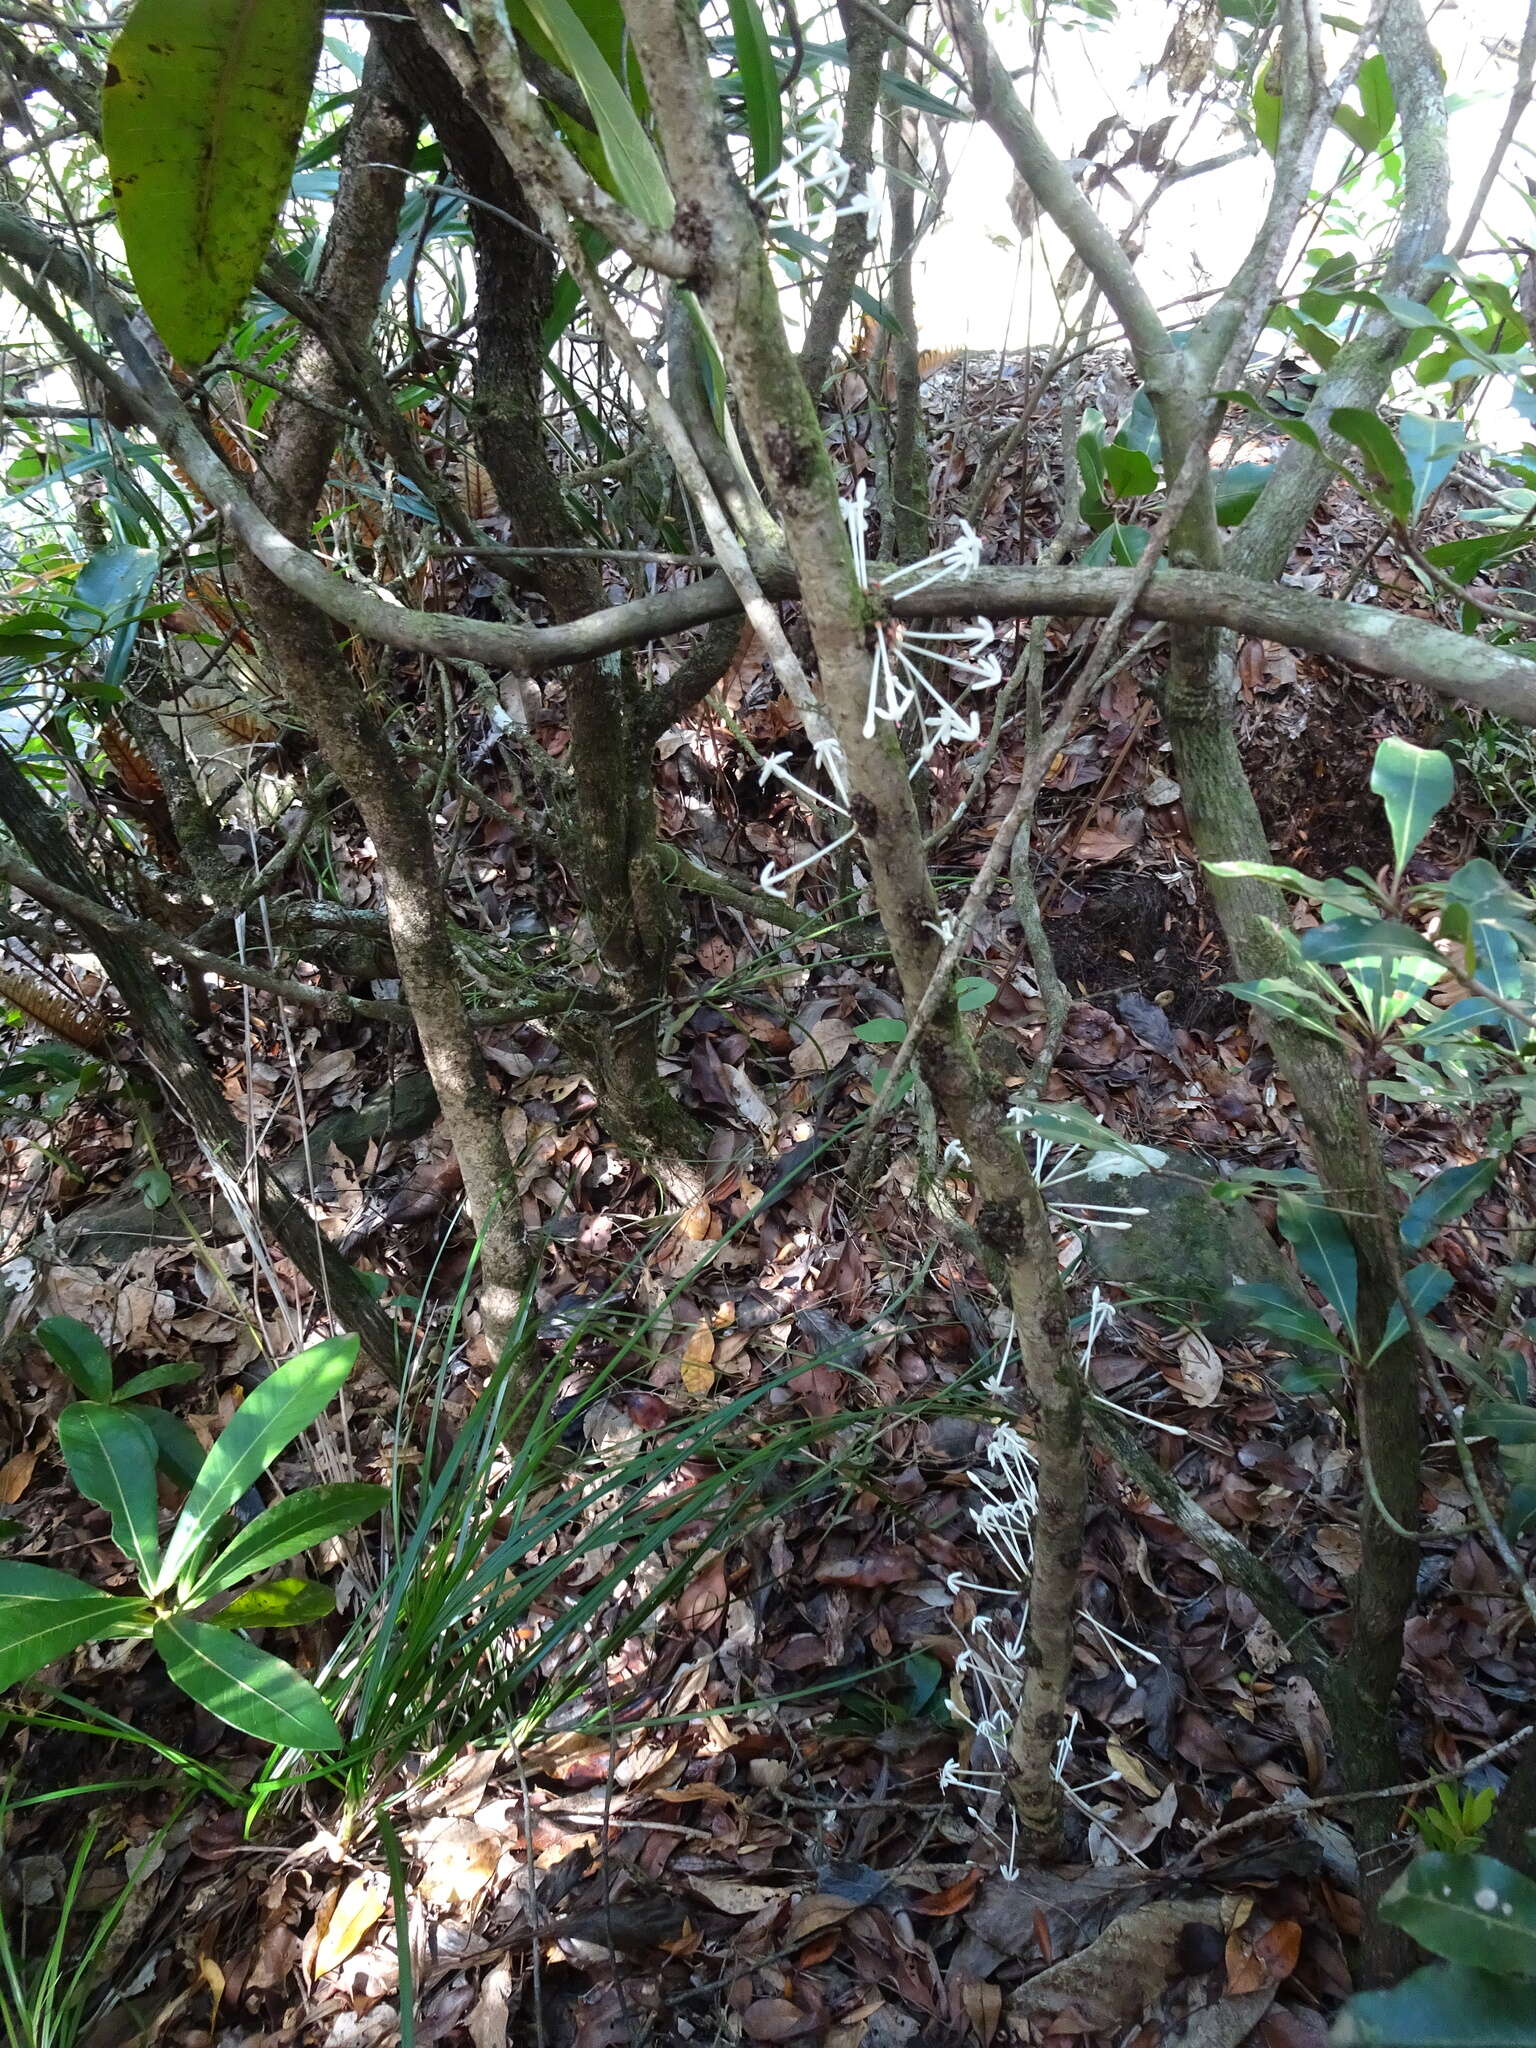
(1346, 940)
(1070, 1127)
(1324, 1253)
(1370, 123)
(1469, 1909)
(1278, 996)
(265, 1423)
(1129, 472)
(1267, 108)
(79, 1354)
(1441, 2008)
(1276, 1310)
(246, 1687)
(180, 1453)
(1443, 1199)
(289, 1527)
(1414, 785)
(1430, 448)
(759, 88)
(974, 992)
(1342, 895)
(638, 177)
(201, 115)
(157, 1376)
(45, 1614)
(1426, 1287)
(1509, 1423)
(284, 1603)
(881, 1031)
(1384, 458)
(1238, 489)
(110, 1453)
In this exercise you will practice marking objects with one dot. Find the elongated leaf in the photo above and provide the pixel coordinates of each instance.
(288, 1527)
(1415, 784)
(1341, 895)
(1509, 1423)
(180, 1453)
(759, 88)
(1278, 996)
(1430, 448)
(244, 1686)
(1324, 1253)
(110, 1452)
(201, 114)
(157, 1376)
(1469, 1909)
(79, 1354)
(1499, 968)
(1071, 1127)
(1370, 126)
(1267, 107)
(34, 1633)
(45, 1614)
(1347, 940)
(1443, 1199)
(1377, 443)
(1275, 1310)
(633, 164)
(284, 1603)
(1441, 2008)
(266, 1422)
(1426, 1287)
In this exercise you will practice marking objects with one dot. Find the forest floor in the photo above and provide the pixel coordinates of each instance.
(730, 1824)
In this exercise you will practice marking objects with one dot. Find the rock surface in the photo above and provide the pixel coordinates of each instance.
(1189, 1248)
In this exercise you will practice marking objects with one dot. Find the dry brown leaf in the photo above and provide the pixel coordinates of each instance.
(490, 2023)
(983, 2005)
(355, 1915)
(695, 1222)
(1339, 1549)
(729, 1895)
(697, 1371)
(1131, 1769)
(825, 1043)
(15, 1477)
(459, 1861)
(775, 2019)
(1199, 1376)
(1114, 1979)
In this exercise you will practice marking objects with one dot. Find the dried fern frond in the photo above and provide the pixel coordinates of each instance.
(51, 1008)
(137, 776)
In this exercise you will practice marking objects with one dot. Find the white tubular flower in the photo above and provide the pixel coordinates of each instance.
(870, 204)
(833, 763)
(771, 879)
(773, 764)
(888, 698)
(853, 510)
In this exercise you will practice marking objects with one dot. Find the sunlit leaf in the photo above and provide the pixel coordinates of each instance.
(201, 112)
(264, 1424)
(246, 1687)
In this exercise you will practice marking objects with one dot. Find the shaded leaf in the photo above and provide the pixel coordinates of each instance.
(1472, 1910)
(79, 1354)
